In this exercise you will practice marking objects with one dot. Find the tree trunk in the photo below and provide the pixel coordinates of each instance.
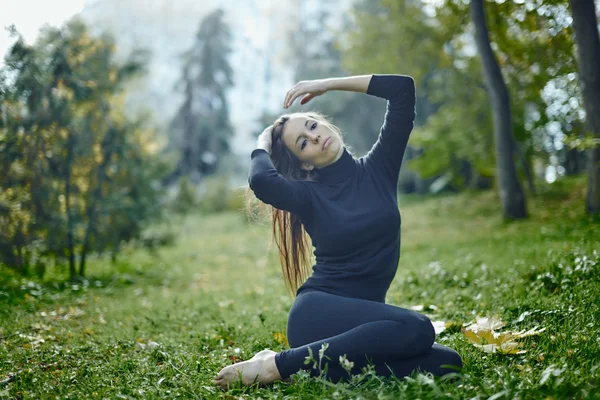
(70, 245)
(526, 169)
(92, 209)
(587, 39)
(511, 192)
(96, 198)
(574, 161)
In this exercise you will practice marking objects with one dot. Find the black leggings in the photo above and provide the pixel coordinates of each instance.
(392, 338)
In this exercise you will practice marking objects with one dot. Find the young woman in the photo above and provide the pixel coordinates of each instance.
(349, 209)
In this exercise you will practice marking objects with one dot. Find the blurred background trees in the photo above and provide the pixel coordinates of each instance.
(511, 192)
(200, 129)
(77, 173)
(85, 171)
(585, 25)
(533, 41)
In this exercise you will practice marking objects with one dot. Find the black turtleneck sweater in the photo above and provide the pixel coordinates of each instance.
(351, 211)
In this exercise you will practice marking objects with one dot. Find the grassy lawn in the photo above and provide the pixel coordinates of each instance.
(161, 325)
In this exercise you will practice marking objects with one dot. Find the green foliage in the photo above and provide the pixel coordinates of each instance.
(213, 195)
(162, 326)
(561, 275)
(81, 173)
(186, 199)
(237, 199)
(534, 45)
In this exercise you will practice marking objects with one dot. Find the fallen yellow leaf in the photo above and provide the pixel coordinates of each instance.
(280, 337)
(487, 324)
(530, 332)
(482, 335)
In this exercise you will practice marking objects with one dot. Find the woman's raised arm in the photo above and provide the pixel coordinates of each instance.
(388, 151)
(399, 90)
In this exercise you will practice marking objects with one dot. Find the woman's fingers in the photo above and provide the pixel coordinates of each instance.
(309, 88)
(288, 96)
(307, 98)
(290, 99)
(295, 95)
(297, 90)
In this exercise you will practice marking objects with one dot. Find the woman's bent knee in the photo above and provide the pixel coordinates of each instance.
(426, 331)
(418, 334)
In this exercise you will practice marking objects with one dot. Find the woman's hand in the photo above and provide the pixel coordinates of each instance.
(265, 139)
(311, 89)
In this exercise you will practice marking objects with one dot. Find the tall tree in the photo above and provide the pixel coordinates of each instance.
(78, 167)
(201, 129)
(533, 44)
(511, 192)
(587, 38)
(385, 37)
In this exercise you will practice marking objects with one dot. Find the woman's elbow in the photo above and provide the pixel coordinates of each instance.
(258, 184)
(408, 86)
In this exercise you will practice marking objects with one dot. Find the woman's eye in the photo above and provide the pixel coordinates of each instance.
(314, 126)
(303, 144)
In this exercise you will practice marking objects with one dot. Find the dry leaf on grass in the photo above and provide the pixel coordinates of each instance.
(63, 313)
(140, 345)
(487, 324)
(483, 335)
(33, 341)
(421, 307)
(40, 327)
(439, 326)
(280, 337)
(235, 359)
(530, 332)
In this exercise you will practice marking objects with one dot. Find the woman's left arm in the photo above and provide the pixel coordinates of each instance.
(399, 90)
(388, 151)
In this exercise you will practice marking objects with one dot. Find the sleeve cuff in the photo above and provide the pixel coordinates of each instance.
(257, 151)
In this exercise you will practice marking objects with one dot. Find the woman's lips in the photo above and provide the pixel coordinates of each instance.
(326, 142)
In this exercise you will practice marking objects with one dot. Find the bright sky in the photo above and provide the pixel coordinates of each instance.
(29, 16)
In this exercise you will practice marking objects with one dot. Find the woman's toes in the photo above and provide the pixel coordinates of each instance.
(259, 369)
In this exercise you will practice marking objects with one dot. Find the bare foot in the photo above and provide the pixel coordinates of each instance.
(261, 368)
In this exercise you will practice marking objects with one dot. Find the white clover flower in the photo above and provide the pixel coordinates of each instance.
(346, 364)
(324, 347)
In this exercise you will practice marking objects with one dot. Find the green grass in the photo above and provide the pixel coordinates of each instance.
(218, 290)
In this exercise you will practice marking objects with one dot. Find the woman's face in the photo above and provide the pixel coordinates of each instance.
(305, 137)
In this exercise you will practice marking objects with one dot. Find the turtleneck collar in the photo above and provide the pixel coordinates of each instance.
(341, 169)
